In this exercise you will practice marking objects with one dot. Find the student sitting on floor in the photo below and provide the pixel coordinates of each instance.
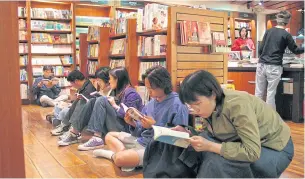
(85, 87)
(107, 114)
(127, 150)
(246, 137)
(46, 89)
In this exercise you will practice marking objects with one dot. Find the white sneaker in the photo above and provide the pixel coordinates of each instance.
(68, 139)
(59, 130)
(93, 143)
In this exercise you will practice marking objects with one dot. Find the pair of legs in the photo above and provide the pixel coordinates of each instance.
(46, 101)
(125, 151)
(267, 78)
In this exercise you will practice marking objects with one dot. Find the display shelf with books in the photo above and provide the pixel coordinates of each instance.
(183, 60)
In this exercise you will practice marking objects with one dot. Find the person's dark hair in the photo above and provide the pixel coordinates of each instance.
(47, 67)
(75, 75)
(103, 74)
(159, 77)
(121, 74)
(241, 30)
(201, 83)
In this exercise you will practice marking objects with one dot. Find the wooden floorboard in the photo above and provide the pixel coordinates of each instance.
(44, 159)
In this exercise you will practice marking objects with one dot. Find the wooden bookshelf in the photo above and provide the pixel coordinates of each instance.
(117, 56)
(118, 36)
(152, 32)
(50, 54)
(53, 31)
(158, 57)
(183, 60)
(23, 41)
(50, 19)
(50, 43)
(83, 53)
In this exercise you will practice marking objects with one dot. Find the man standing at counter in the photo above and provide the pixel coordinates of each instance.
(269, 68)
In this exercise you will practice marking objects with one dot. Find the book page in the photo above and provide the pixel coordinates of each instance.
(172, 137)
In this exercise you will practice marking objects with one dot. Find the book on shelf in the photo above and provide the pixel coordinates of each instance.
(61, 71)
(22, 24)
(120, 22)
(194, 33)
(51, 48)
(93, 21)
(93, 50)
(24, 91)
(23, 60)
(22, 35)
(51, 38)
(23, 75)
(22, 12)
(116, 63)
(132, 112)
(146, 65)
(92, 67)
(242, 24)
(148, 46)
(155, 16)
(47, 60)
(118, 46)
(140, 15)
(77, 57)
(144, 94)
(166, 135)
(93, 33)
(23, 48)
(50, 25)
(50, 13)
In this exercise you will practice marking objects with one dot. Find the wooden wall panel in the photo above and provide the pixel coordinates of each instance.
(199, 18)
(202, 65)
(184, 73)
(191, 50)
(11, 148)
(219, 79)
(199, 58)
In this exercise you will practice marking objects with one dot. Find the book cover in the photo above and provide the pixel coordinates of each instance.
(132, 112)
(204, 33)
(166, 135)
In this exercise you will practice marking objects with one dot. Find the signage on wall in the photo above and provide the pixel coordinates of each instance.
(133, 3)
(245, 15)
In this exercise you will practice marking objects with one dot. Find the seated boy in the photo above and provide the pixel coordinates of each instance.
(127, 150)
(46, 89)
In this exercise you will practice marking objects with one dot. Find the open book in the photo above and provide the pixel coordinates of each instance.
(133, 112)
(81, 96)
(95, 94)
(172, 137)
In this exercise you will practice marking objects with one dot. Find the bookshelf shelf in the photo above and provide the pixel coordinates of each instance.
(53, 31)
(38, 65)
(118, 36)
(23, 53)
(93, 58)
(66, 86)
(117, 56)
(50, 43)
(85, 26)
(51, 19)
(157, 57)
(22, 66)
(21, 17)
(93, 42)
(23, 41)
(152, 32)
(23, 81)
(50, 54)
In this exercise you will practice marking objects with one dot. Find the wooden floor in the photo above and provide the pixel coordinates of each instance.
(44, 159)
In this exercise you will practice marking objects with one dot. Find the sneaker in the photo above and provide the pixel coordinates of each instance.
(128, 169)
(79, 137)
(59, 130)
(93, 143)
(68, 139)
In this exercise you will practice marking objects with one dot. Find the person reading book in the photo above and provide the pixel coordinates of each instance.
(85, 87)
(127, 149)
(106, 114)
(244, 137)
(47, 90)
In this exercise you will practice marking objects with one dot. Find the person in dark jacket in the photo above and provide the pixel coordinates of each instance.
(46, 89)
(85, 87)
(108, 114)
(127, 149)
(269, 68)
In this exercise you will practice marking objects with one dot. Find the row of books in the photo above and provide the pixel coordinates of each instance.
(51, 48)
(50, 25)
(93, 21)
(22, 24)
(23, 60)
(52, 60)
(242, 24)
(22, 35)
(193, 33)
(22, 12)
(52, 38)
(117, 63)
(24, 88)
(148, 46)
(92, 67)
(118, 46)
(93, 33)
(23, 75)
(23, 48)
(146, 65)
(93, 50)
(61, 71)
(155, 16)
(120, 23)
(50, 13)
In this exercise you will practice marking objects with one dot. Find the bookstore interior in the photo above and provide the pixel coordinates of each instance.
(224, 38)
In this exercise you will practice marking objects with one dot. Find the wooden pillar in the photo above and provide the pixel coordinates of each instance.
(11, 148)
